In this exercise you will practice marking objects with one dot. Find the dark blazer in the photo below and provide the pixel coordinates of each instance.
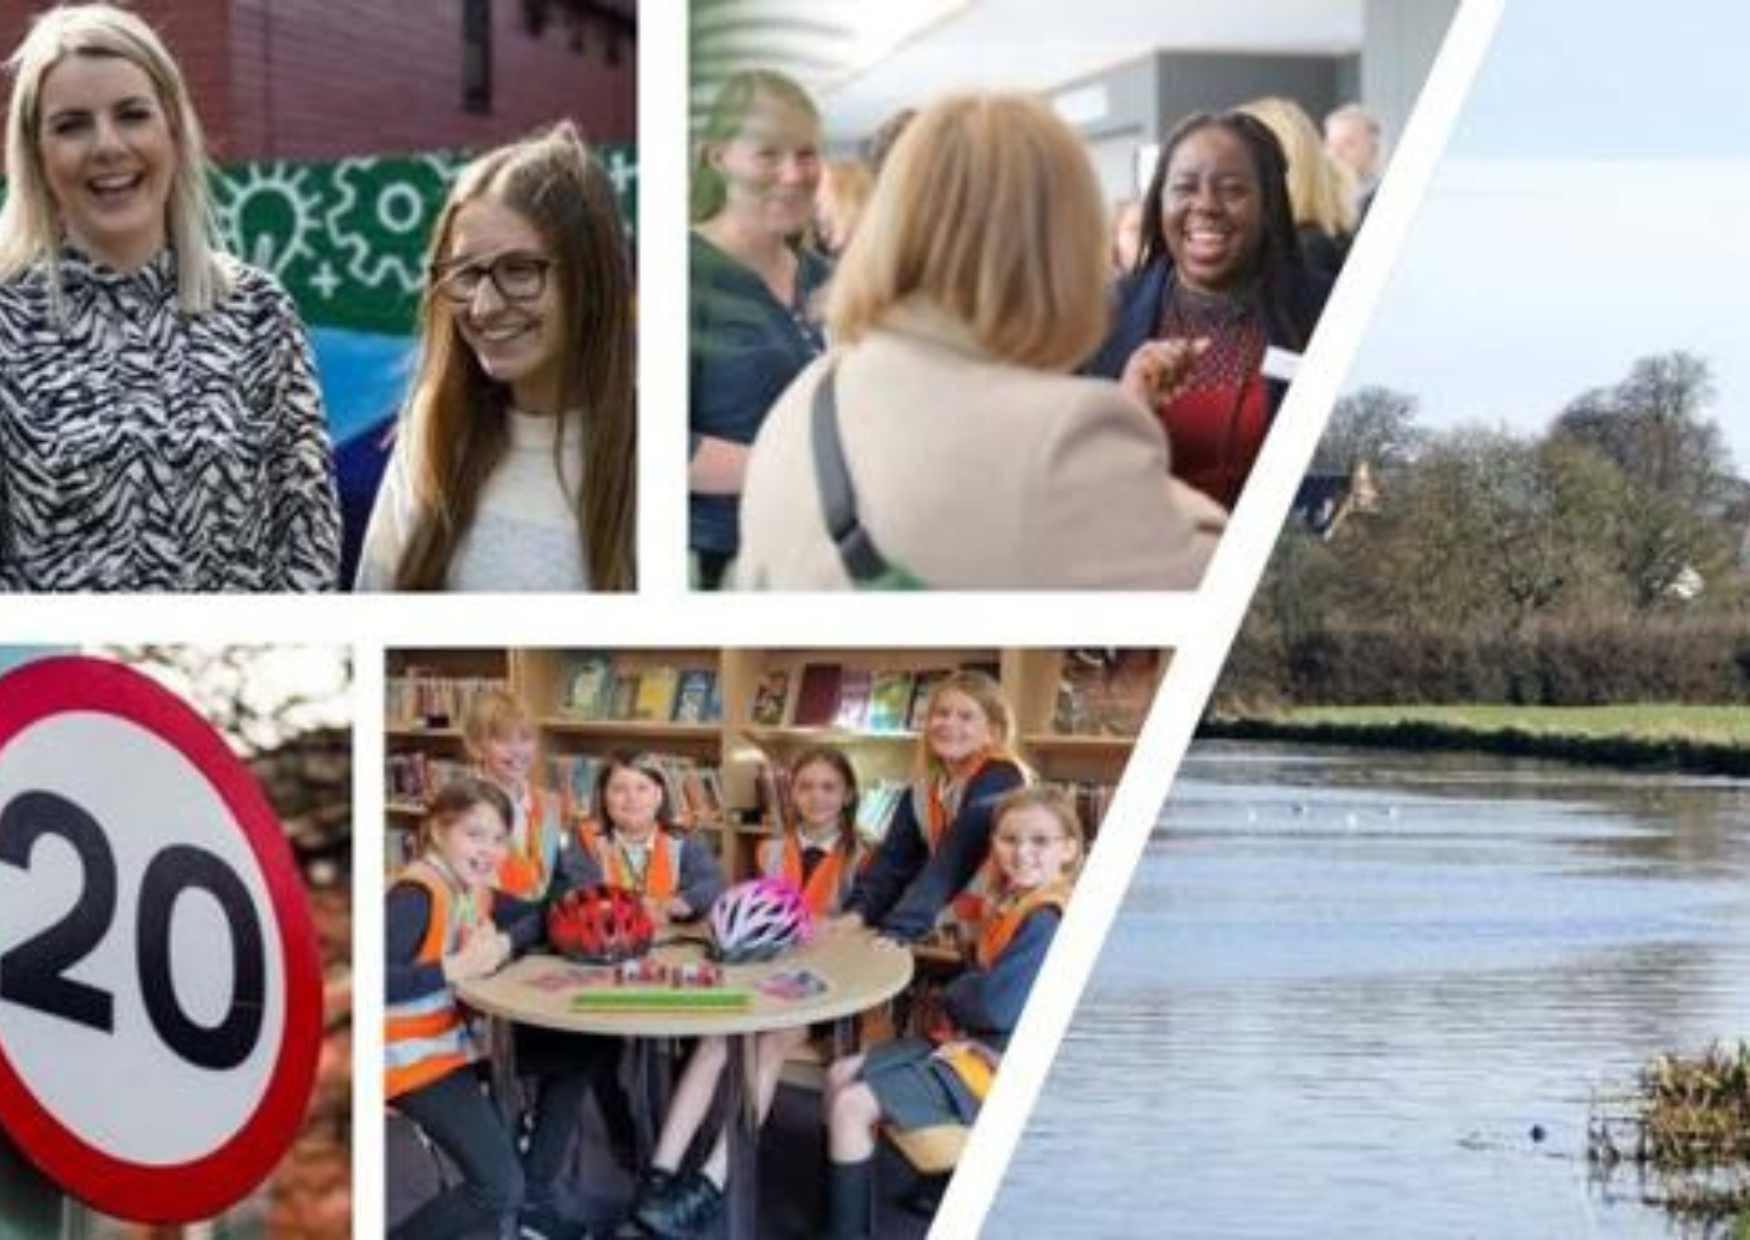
(1291, 311)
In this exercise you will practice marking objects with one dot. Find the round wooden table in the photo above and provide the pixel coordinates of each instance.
(857, 974)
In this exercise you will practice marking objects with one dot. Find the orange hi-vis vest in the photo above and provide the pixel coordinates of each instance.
(427, 1038)
(660, 876)
(826, 888)
(972, 1061)
(528, 864)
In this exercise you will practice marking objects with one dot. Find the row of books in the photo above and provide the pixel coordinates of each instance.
(417, 700)
(596, 686)
(412, 779)
(854, 698)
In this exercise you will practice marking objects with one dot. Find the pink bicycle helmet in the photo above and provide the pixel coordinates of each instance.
(758, 919)
(600, 925)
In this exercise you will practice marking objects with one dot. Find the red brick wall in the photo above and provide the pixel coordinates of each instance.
(312, 79)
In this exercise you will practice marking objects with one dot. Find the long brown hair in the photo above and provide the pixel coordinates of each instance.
(458, 416)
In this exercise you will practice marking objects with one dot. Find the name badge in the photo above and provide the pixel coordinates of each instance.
(1280, 364)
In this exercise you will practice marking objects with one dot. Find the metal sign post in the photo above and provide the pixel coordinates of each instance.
(30, 1203)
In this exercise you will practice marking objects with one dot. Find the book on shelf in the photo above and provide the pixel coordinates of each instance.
(772, 791)
(923, 685)
(1105, 692)
(817, 699)
(693, 694)
(890, 702)
(655, 701)
(574, 775)
(625, 699)
(714, 701)
(770, 698)
(415, 778)
(855, 688)
(587, 686)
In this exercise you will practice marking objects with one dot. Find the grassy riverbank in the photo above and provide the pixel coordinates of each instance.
(1710, 739)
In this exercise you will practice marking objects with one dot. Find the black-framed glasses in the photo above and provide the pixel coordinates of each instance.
(518, 276)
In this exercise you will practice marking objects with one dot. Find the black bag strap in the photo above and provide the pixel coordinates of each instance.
(838, 498)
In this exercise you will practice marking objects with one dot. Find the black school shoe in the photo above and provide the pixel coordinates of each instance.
(546, 1223)
(680, 1209)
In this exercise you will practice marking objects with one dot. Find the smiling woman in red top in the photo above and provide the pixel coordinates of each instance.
(1221, 300)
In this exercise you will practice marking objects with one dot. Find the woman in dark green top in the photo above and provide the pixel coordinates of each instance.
(754, 323)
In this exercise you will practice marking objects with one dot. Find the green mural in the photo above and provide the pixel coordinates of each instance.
(347, 238)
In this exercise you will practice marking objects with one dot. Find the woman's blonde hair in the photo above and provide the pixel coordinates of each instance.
(1319, 190)
(458, 416)
(988, 694)
(989, 209)
(30, 228)
(844, 196)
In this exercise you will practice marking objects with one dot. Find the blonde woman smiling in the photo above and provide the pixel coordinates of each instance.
(160, 423)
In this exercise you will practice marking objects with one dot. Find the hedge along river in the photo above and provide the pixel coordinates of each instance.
(1346, 987)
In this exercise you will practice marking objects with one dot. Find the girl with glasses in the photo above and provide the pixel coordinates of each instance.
(514, 465)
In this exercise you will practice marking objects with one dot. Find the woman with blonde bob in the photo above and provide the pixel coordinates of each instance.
(515, 462)
(160, 423)
(968, 456)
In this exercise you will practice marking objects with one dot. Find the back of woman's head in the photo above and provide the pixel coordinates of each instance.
(989, 209)
(30, 231)
(1319, 192)
(458, 414)
(1279, 250)
(726, 118)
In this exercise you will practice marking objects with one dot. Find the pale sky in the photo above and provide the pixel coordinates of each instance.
(1593, 208)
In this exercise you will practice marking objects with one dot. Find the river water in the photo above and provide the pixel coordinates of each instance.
(1346, 987)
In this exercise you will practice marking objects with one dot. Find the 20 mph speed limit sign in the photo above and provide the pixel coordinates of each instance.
(160, 988)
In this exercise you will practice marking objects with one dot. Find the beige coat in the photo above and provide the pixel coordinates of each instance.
(973, 473)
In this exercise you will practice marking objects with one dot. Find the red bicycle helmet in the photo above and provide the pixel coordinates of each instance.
(758, 919)
(600, 925)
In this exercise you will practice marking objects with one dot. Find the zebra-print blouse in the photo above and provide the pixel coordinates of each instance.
(145, 449)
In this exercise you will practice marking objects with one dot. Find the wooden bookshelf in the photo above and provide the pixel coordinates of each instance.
(751, 727)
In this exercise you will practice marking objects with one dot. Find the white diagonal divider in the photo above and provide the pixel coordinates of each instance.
(1232, 578)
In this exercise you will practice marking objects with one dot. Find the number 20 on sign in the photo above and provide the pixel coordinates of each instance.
(160, 986)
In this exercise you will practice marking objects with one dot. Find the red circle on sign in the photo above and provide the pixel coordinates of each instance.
(203, 1187)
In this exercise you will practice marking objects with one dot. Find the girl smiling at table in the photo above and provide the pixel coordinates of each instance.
(638, 847)
(940, 834)
(819, 856)
(445, 925)
(1036, 845)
